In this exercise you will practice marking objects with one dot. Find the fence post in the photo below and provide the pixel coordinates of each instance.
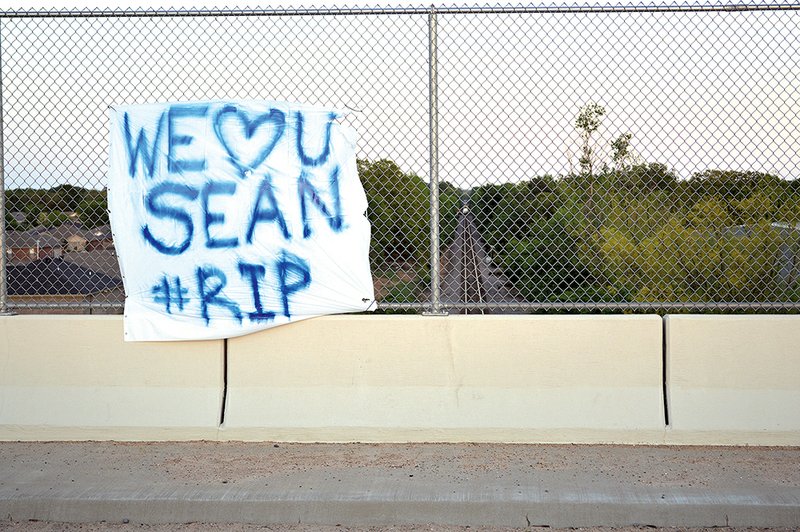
(433, 110)
(3, 256)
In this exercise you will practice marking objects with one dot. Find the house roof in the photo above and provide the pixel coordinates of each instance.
(99, 260)
(66, 230)
(71, 231)
(30, 239)
(57, 277)
(101, 232)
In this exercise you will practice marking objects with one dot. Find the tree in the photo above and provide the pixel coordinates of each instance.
(546, 264)
(52, 218)
(65, 197)
(12, 224)
(399, 210)
(93, 211)
(621, 150)
(587, 122)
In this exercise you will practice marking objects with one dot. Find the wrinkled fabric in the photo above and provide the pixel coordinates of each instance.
(234, 217)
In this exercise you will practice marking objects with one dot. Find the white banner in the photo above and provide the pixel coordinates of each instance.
(233, 217)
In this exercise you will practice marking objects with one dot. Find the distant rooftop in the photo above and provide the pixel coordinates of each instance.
(30, 239)
(57, 277)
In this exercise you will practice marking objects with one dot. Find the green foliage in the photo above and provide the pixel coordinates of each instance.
(697, 258)
(93, 211)
(450, 200)
(754, 209)
(399, 210)
(588, 122)
(640, 234)
(635, 233)
(620, 149)
(644, 179)
(51, 206)
(709, 215)
(510, 211)
(733, 185)
(543, 264)
(52, 219)
(588, 119)
(13, 225)
(65, 198)
(789, 211)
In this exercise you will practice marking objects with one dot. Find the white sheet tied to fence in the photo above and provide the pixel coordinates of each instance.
(233, 217)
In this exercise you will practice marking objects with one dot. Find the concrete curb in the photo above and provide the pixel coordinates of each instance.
(388, 504)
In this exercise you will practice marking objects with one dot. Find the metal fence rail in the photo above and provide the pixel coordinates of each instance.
(516, 159)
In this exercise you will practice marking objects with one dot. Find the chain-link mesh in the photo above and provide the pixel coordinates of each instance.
(622, 159)
(60, 75)
(627, 158)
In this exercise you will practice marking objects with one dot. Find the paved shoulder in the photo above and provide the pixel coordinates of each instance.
(381, 484)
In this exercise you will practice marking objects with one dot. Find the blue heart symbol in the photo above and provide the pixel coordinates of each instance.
(248, 129)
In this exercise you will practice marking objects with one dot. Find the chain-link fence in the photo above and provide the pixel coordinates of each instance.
(515, 159)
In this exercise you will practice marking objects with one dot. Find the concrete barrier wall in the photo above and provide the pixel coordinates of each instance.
(733, 379)
(455, 378)
(730, 380)
(73, 377)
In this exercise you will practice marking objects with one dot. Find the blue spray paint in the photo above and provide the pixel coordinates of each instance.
(209, 292)
(326, 147)
(291, 266)
(270, 214)
(254, 273)
(162, 211)
(306, 190)
(227, 188)
(148, 154)
(164, 294)
(249, 127)
(175, 165)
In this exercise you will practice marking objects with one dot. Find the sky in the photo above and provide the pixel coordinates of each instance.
(696, 91)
